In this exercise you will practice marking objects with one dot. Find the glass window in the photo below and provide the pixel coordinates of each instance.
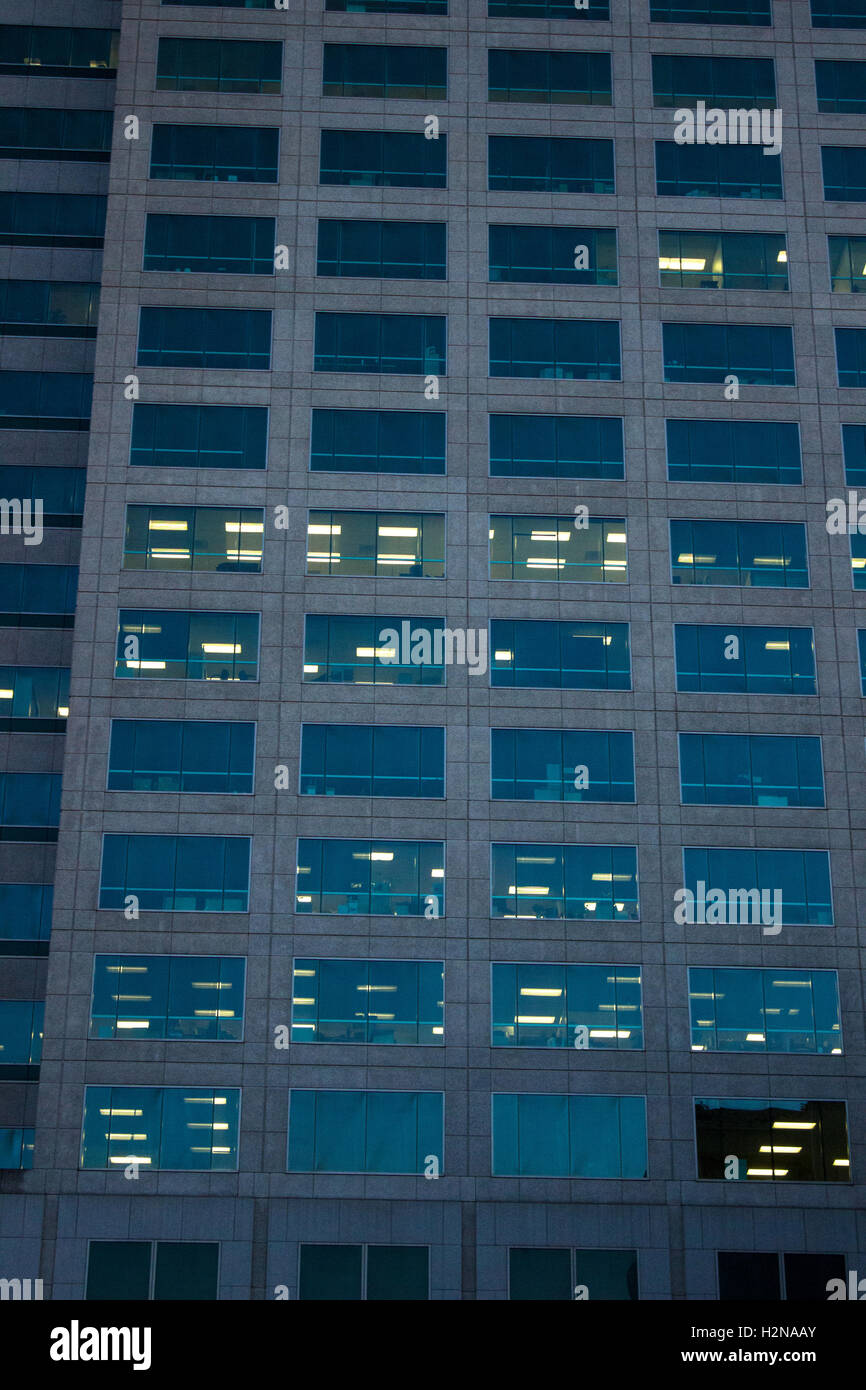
(847, 263)
(45, 400)
(568, 1136)
(755, 1277)
(384, 70)
(841, 86)
(838, 14)
(555, 1275)
(759, 354)
(402, 344)
(844, 169)
(547, 9)
(561, 765)
(851, 356)
(368, 1001)
(36, 50)
(218, 65)
(59, 490)
(372, 760)
(716, 171)
(140, 1270)
(215, 245)
(560, 655)
(797, 1140)
(182, 755)
(582, 1006)
(192, 998)
(376, 651)
(571, 882)
(383, 159)
(215, 153)
(364, 1272)
(740, 554)
(723, 261)
(227, 338)
(34, 699)
(156, 644)
(25, 918)
(742, 659)
(522, 74)
(711, 11)
(733, 451)
(858, 559)
(553, 255)
(550, 164)
(751, 770)
(49, 308)
(683, 80)
(33, 595)
(368, 878)
(556, 446)
(551, 547)
(52, 219)
(751, 1010)
(365, 1131)
(190, 1128)
(176, 873)
(30, 806)
(20, 1038)
(228, 539)
(861, 647)
(43, 132)
(199, 436)
(381, 250)
(378, 441)
(16, 1148)
(389, 545)
(574, 349)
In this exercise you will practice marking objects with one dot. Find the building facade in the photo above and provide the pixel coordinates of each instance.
(446, 903)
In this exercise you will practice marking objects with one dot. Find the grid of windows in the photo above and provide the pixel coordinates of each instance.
(395, 1000)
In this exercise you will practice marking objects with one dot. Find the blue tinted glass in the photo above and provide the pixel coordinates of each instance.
(569, 1136)
(172, 1127)
(211, 245)
(576, 349)
(745, 554)
(557, 765)
(405, 344)
(574, 882)
(844, 168)
(556, 446)
(364, 1001)
(801, 877)
(20, 1034)
(395, 878)
(851, 356)
(181, 756)
(751, 770)
(723, 261)
(218, 65)
(184, 997)
(758, 354)
(364, 1131)
(383, 159)
(738, 659)
(16, 1148)
(176, 873)
(381, 250)
(234, 154)
(376, 651)
(841, 86)
(231, 338)
(751, 1010)
(25, 915)
(52, 219)
(166, 644)
(733, 451)
(581, 1006)
(556, 548)
(384, 70)
(391, 760)
(683, 80)
(838, 14)
(545, 164)
(378, 441)
(716, 171)
(539, 75)
(199, 436)
(553, 255)
(711, 11)
(564, 656)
